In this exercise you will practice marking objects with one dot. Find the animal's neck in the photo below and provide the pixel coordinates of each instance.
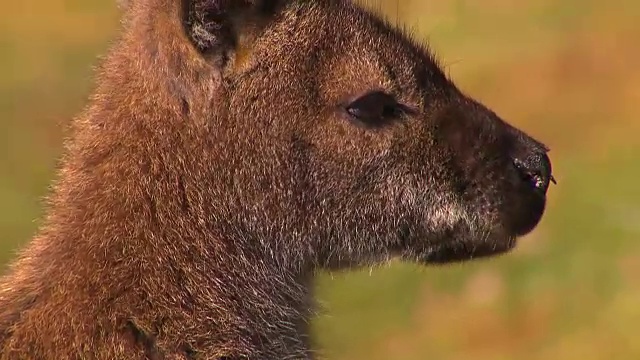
(233, 305)
(136, 262)
(202, 303)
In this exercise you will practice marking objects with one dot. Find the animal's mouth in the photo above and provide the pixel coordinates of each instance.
(521, 210)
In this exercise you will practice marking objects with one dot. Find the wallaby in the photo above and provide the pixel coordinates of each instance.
(233, 148)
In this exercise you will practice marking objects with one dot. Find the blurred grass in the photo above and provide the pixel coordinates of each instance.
(566, 71)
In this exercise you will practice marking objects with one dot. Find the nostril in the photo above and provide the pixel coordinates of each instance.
(536, 170)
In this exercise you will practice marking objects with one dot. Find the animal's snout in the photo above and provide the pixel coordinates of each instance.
(535, 168)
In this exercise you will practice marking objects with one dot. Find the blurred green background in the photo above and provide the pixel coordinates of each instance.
(566, 71)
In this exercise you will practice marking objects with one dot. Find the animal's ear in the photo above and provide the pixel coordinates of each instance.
(225, 30)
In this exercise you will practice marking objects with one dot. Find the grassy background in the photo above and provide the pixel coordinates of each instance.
(566, 71)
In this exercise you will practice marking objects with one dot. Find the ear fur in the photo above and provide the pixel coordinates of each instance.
(227, 29)
(122, 4)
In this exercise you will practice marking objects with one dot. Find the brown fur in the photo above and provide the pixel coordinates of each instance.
(216, 169)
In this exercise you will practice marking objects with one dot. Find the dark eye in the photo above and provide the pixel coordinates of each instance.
(375, 109)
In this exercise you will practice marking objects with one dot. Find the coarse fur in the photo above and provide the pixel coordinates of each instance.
(221, 162)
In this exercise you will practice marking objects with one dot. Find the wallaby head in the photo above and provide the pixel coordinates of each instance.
(233, 148)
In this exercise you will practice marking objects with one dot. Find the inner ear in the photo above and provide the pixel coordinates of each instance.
(226, 30)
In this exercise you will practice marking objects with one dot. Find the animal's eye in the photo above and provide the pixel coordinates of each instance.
(375, 109)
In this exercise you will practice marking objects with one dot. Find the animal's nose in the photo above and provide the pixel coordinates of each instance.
(535, 168)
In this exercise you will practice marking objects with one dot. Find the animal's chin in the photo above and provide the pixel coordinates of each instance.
(476, 232)
(461, 243)
(466, 251)
(497, 239)
(465, 242)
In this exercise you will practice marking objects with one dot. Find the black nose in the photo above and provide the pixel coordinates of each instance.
(535, 168)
